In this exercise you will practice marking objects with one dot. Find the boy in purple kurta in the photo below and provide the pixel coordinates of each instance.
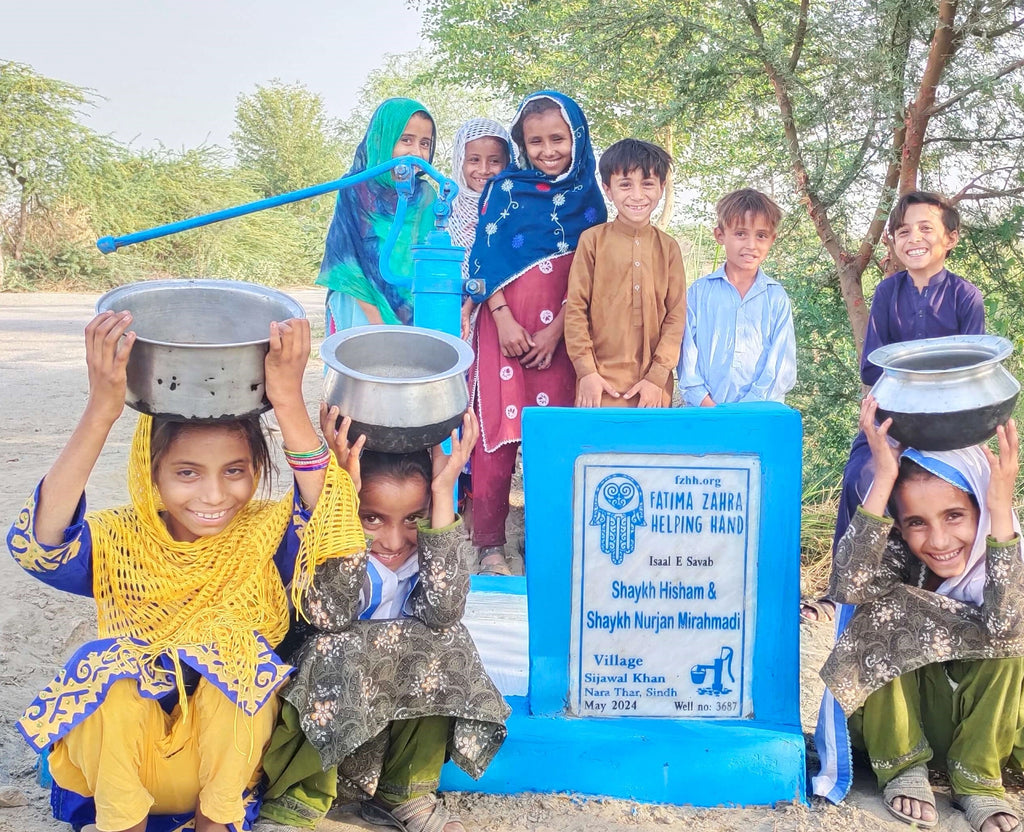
(925, 300)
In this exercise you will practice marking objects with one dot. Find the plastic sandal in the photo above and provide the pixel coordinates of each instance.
(978, 808)
(912, 783)
(491, 561)
(421, 814)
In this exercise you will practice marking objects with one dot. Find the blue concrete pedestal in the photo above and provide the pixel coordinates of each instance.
(758, 760)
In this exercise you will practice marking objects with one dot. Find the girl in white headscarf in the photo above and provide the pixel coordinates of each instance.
(482, 149)
(929, 667)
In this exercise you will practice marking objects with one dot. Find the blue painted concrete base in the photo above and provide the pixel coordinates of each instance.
(651, 760)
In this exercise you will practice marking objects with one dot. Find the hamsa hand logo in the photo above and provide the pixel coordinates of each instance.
(618, 510)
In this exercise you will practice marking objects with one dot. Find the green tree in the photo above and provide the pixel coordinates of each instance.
(283, 135)
(842, 103)
(417, 75)
(40, 140)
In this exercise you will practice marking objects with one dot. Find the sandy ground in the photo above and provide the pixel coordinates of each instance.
(43, 387)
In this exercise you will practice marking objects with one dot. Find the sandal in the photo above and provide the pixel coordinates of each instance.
(978, 808)
(814, 610)
(912, 783)
(421, 814)
(491, 561)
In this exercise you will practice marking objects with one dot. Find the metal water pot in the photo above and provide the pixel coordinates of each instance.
(200, 345)
(945, 393)
(403, 386)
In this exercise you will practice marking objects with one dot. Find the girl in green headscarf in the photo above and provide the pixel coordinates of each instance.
(357, 293)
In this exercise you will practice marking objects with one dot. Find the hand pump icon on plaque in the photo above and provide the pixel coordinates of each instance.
(719, 667)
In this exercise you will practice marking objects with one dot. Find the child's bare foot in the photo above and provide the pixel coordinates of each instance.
(912, 808)
(987, 813)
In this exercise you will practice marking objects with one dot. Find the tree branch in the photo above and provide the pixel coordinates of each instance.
(798, 37)
(977, 85)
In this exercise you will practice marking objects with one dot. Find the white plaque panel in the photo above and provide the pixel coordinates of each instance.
(664, 571)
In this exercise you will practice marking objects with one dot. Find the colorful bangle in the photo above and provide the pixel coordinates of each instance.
(315, 460)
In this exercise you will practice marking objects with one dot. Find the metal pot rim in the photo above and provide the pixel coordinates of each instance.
(328, 351)
(998, 348)
(106, 301)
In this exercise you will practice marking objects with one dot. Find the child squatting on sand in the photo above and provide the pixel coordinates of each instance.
(389, 682)
(930, 667)
(165, 714)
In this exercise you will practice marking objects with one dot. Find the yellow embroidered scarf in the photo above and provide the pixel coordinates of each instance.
(218, 591)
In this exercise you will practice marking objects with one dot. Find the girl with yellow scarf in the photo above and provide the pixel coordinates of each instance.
(165, 715)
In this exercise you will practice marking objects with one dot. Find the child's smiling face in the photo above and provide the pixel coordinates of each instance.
(204, 478)
(389, 509)
(485, 157)
(634, 195)
(417, 138)
(747, 242)
(922, 241)
(548, 142)
(938, 522)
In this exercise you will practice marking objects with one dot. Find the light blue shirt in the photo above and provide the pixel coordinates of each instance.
(737, 349)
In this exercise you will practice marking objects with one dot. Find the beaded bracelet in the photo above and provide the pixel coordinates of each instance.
(315, 460)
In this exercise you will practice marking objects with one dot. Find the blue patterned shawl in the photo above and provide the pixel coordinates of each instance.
(527, 216)
(363, 216)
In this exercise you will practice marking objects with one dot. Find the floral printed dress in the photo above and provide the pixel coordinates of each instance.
(356, 676)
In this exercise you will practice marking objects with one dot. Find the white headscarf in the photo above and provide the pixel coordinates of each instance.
(465, 207)
(968, 470)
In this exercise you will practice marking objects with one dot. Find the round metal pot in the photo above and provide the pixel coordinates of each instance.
(403, 386)
(200, 345)
(945, 393)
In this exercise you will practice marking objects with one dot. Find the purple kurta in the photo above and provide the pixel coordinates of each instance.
(948, 305)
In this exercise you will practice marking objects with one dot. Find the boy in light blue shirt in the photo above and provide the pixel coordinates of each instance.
(739, 344)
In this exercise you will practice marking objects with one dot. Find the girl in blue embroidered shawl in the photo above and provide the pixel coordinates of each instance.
(531, 217)
(357, 293)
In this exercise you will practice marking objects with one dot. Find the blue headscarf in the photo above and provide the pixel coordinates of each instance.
(527, 216)
(363, 217)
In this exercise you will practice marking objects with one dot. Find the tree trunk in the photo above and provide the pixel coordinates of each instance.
(919, 111)
(852, 289)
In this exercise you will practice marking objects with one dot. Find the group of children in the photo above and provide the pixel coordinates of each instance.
(550, 326)
(167, 714)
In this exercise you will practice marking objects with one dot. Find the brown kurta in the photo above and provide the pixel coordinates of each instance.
(899, 627)
(626, 307)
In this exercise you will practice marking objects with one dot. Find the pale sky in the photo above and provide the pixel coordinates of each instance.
(171, 71)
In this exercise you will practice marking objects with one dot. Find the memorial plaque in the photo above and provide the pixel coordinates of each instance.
(664, 572)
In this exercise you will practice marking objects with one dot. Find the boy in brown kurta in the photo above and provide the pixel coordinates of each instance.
(626, 306)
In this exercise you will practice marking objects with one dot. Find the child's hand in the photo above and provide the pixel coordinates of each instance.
(347, 455)
(448, 467)
(467, 314)
(286, 361)
(650, 394)
(512, 338)
(886, 457)
(106, 356)
(1004, 469)
(591, 386)
(545, 342)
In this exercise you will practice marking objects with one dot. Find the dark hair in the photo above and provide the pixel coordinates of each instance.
(911, 471)
(733, 207)
(534, 107)
(628, 155)
(950, 216)
(399, 467)
(165, 431)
